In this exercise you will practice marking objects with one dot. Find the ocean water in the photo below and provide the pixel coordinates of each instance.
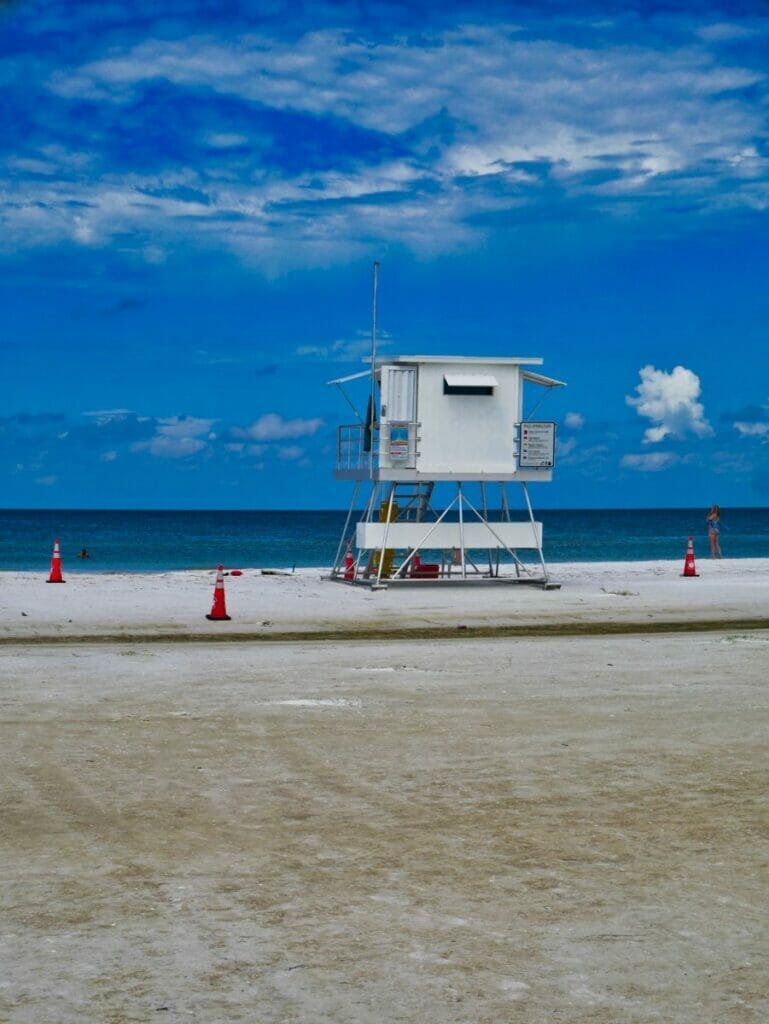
(161, 541)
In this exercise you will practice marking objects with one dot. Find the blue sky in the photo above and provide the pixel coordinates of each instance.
(192, 195)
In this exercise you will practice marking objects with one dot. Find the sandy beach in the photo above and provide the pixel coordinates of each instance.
(455, 804)
(592, 596)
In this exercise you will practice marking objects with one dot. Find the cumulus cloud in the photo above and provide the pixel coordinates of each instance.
(272, 427)
(119, 436)
(176, 437)
(574, 420)
(650, 462)
(670, 401)
(164, 447)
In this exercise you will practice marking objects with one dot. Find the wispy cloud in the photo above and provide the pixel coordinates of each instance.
(650, 462)
(752, 429)
(177, 437)
(290, 452)
(343, 350)
(594, 455)
(335, 136)
(574, 421)
(725, 31)
(273, 427)
(751, 421)
(111, 434)
(670, 400)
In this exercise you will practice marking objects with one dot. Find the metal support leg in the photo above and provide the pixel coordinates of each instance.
(337, 560)
(531, 519)
(461, 532)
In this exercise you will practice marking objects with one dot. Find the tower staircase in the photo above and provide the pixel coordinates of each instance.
(412, 498)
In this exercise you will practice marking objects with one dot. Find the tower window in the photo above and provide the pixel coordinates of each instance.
(468, 384)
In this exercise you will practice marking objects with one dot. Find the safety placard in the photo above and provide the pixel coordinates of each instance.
(399, 442)
(537, 446)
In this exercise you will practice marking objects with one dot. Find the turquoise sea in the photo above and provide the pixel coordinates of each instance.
(160, 541)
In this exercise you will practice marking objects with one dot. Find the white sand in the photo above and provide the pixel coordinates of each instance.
(514, 829)
(176, 603)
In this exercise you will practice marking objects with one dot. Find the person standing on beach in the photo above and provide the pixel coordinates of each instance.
(714, 522)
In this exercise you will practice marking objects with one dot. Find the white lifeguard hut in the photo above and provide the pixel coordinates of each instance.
(436, 420)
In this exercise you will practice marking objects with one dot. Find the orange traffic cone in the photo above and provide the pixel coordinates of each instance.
(55, 576)
(219, 610)
(349, 563)
(689, 568)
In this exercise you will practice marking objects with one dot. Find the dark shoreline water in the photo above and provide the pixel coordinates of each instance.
(157, 541)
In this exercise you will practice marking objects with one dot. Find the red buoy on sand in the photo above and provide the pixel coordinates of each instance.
(689, 567)
(55, 576)
(219, 609)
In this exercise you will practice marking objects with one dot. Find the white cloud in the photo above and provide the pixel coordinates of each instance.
(650, 462)
(566, 447)
(83, 231)
(183, 426)
(643, 117)
(574, 420)
(226, 140)
(723, 31)
(272, 427)
(104, 417)
(595, 455)
(290, 452)
(751, 429)
(340, 350)
(176, 437)
(169, 447)
(179, 437)
(476, 73)
(670, 400)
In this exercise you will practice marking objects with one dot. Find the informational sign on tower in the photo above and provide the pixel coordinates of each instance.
(537, 446)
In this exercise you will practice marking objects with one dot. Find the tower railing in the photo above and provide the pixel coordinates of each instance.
(357, 446)
(360, 447)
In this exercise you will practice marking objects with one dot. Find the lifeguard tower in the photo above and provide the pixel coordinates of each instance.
(433, 421)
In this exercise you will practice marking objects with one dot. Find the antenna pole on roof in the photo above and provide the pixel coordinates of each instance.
(368, 431)
(373, 328)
